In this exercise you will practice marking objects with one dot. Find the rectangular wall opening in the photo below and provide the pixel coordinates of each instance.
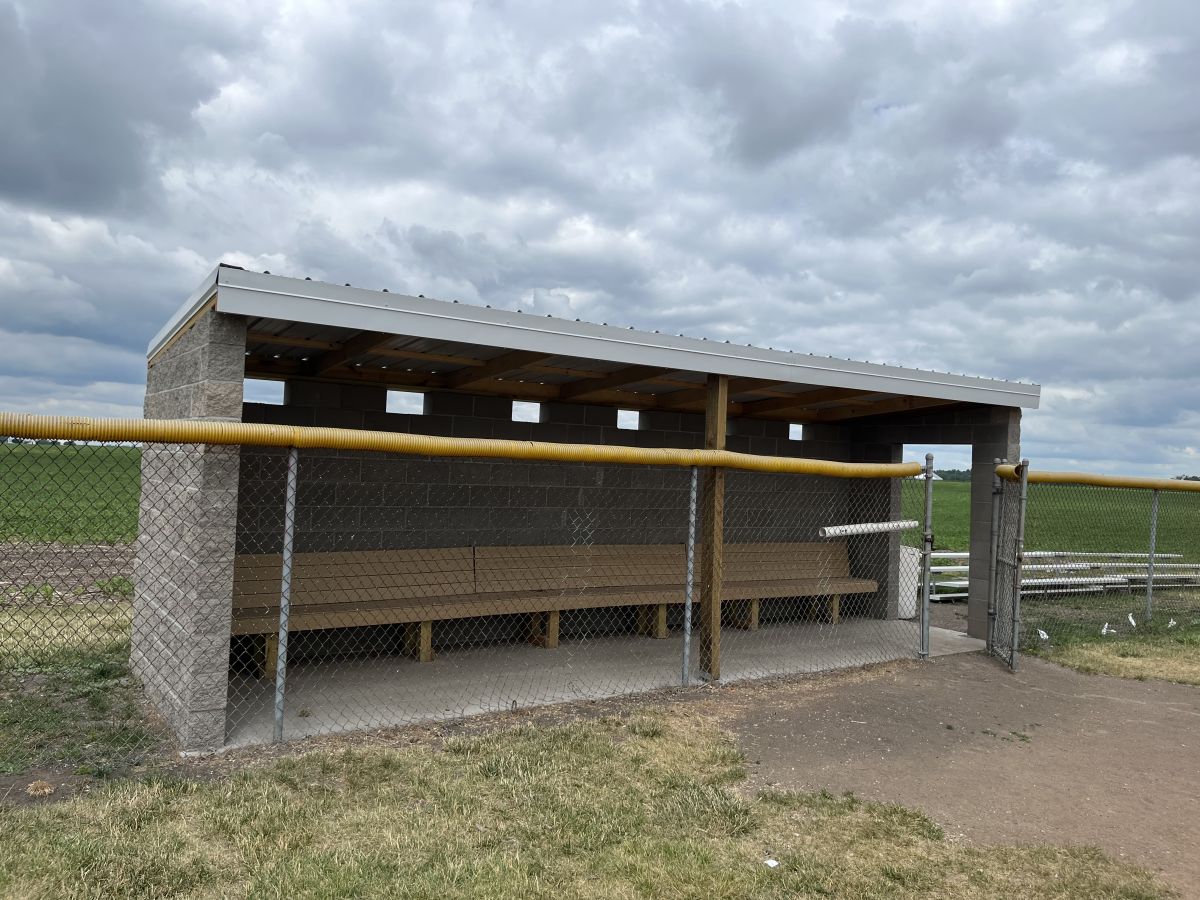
(409, 402)
(259, 390)
(629, 419)
(526, 411)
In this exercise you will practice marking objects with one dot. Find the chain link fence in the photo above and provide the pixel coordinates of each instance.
(198, 595)
(1097, 565)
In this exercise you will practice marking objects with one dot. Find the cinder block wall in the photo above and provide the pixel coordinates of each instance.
(183, 573)
(369, 501)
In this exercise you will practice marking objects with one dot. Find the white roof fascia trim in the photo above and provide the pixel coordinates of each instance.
(199, 297)
(287, 299)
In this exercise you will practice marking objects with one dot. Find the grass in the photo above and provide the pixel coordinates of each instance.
(1151, 651)
(648, 807)
(70, 494)
(67, 698)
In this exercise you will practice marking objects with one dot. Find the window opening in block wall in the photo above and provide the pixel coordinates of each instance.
(526, 411)
(410, 402)
(260, 390)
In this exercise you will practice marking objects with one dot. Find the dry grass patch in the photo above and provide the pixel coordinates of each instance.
(617, 807)
(1174, 661)
(1150, 652)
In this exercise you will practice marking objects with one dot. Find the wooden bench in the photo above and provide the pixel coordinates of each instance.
(418, 587)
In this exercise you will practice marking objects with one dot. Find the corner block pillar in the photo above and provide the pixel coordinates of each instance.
(1000, 439)
(712, 535)
(186, 536)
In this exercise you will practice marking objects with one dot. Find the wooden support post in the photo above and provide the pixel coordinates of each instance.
(418, 640)
(270, 655)
(543, 629)
(835, 608)
(708, 631)
(652, 620)
(747, 615)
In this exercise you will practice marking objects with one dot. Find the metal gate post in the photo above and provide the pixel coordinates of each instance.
(1150, 562)
(997, 502)
(926, 554)
(1016, 623)
(285, 587)
(687, 590)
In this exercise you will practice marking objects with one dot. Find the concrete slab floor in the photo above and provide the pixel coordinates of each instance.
(362, 693)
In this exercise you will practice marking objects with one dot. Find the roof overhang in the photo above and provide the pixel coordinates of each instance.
(302, 313)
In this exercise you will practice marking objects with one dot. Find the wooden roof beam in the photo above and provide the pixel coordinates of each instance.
(501, 365)
(897, 404)
(800, 401)
(359, 345)
(587, 387)
(281, 340)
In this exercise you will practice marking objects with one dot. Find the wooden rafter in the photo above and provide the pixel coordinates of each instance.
(361, 344)
(587, 387)
(502, 365)
(280, 340)
(898, 404)
(801, 401)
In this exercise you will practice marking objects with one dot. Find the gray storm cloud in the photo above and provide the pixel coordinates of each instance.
(1008, 190)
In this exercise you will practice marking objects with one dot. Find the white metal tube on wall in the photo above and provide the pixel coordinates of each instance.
(830, 531)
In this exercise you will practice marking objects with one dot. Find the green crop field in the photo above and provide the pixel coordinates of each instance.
(73, 494)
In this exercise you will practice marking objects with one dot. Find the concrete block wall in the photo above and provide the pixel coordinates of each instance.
(183, 572)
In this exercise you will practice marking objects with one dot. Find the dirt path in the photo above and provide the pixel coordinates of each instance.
(1045, 755)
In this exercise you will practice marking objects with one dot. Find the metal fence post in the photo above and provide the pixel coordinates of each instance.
(687, 590)
(1150, 561)
(926, 554)
(997, 501)
(285, 587)
(1016, 623)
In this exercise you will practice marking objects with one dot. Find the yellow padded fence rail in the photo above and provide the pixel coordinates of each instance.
(201, 431)
(1009, 473)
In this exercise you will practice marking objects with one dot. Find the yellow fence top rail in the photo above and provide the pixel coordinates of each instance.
(201, 431)
(1009, 473)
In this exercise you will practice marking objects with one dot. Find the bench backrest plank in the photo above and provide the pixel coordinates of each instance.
(356, 576)
(361, 577)
(570, 568)
(780, 561)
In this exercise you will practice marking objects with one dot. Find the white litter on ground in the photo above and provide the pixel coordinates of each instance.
(1131, 621)
(1107, 630)
(1043, 635)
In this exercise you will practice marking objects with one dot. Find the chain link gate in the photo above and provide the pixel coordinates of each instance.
(1008, 545)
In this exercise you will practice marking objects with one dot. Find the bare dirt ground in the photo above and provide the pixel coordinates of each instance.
(1046, 755)
(42, 572)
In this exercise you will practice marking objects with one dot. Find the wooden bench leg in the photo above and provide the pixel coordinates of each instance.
(543, 629)
(746, 615)
(270, 655)
(835, 608)
(418, 640)
(652, 620)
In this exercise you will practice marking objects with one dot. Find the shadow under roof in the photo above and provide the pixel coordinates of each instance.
(307, 329)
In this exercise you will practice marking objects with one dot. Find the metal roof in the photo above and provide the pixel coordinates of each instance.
(292, 321)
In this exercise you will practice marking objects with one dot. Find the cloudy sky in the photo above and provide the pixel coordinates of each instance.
(1008, 189)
